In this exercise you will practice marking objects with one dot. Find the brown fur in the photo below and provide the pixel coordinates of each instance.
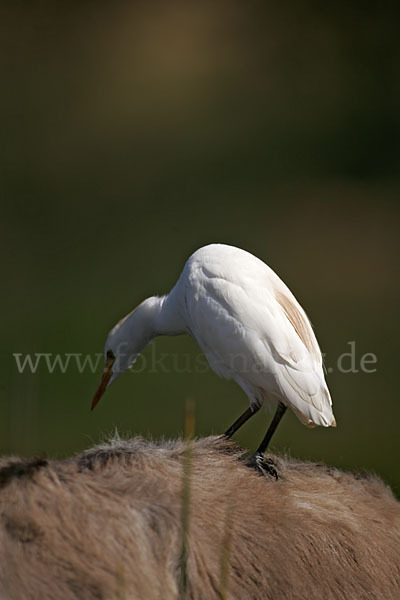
(107, 525)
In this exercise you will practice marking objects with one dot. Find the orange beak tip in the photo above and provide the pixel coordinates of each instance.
(107, 374)
(96, 398)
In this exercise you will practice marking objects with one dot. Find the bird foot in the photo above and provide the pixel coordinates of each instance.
(264, 466)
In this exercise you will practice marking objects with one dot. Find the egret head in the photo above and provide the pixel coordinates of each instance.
(124, 342)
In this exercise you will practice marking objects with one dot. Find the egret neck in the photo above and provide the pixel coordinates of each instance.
(153, 317)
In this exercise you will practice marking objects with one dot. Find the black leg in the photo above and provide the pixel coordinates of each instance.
(257, 460)
(241, 420)
(280, 411)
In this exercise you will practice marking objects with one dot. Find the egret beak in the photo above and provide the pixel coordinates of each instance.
(105, 378)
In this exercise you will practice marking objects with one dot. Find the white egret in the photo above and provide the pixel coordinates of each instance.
(250, 327)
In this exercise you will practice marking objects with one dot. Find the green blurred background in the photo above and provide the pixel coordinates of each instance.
(134, 133)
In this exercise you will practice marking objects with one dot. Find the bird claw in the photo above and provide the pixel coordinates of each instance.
(264, 466)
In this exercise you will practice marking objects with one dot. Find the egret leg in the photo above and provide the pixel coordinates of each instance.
(280, 411)
(241, 420)
(258, 461)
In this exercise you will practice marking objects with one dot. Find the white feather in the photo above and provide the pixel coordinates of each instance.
(233, 308)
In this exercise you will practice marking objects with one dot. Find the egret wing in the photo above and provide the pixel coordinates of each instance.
(251, 328)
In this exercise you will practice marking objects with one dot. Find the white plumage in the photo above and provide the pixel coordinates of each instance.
(248, 324)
